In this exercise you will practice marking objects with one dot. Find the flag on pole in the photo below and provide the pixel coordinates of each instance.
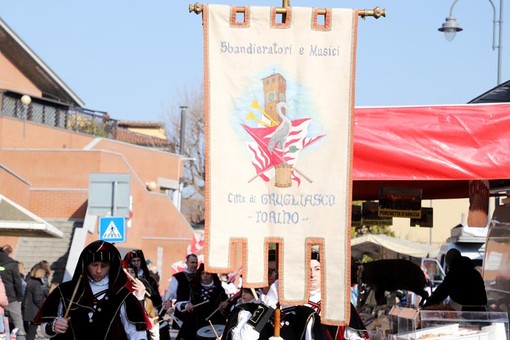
(279, 94)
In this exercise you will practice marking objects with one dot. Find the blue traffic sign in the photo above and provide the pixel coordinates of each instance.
(112, 229)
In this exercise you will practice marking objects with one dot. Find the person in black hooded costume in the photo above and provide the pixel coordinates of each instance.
(102, 308)
(354, 330)
(136, 260)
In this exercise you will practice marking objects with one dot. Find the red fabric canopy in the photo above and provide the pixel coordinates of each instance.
(436, 148)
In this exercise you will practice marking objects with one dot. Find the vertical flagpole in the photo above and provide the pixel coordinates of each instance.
(277, 322)
(277, 311)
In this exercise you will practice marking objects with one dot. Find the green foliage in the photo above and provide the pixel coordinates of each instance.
(374, 229)
(363, 229)
(86, 125)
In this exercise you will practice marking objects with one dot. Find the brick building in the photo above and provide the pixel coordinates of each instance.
(50, 149)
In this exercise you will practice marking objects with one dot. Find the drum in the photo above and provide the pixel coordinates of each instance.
(206, 332)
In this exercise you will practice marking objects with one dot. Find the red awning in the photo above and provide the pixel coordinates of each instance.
(436, 148)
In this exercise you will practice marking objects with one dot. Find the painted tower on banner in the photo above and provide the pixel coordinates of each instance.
(275, 87)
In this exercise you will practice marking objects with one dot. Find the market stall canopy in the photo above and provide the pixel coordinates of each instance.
(380, 246)
(436, 148)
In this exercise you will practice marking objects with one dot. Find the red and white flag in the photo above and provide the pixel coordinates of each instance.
(196, 247)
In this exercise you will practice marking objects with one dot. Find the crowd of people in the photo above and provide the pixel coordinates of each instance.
(110, 297)
(21, 296)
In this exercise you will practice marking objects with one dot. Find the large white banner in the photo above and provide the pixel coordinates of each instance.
(279, 101)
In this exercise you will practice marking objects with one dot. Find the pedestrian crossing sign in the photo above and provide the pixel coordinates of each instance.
(112, 229)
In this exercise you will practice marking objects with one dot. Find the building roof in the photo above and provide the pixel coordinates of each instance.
(140, 124)
(16, 220)
(498, 94)
(125, 135)
(51, 86)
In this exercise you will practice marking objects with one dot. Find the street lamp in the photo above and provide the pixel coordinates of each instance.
(25, 101)
(183, 129)
(450, 27)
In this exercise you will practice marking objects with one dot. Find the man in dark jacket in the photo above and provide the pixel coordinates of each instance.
(11, 278)
(463, 284)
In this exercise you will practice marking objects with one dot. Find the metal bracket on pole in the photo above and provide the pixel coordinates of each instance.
(376, 12)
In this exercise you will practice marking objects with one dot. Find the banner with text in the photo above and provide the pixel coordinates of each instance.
(279, 94)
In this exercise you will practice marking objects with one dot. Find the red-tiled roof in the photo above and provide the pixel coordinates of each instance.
(139, 124)
(124, 135)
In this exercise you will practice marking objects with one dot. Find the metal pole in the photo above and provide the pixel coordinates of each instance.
(24, 118)
(183, 129)
(497, 19)
(500, 40)
(114, 198)
(451, 7)
(25, 101)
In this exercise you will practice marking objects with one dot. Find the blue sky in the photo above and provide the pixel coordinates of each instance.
(134, 58)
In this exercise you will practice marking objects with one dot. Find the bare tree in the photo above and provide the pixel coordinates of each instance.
(190, 106)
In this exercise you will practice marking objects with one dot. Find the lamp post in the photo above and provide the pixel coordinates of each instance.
(183, 129)
(25, 101)
(450, 27)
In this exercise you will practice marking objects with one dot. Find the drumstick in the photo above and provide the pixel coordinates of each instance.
(230, 299)
(254, 293)
(210, 316)
(133, 279)
(213, 329)
(200, 303)
(72, 298)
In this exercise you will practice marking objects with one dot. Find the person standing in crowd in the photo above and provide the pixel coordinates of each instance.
(95, 304)
(4, 323)
(208, 299)
(150, 310)
(135, 259)
(185, 277)
(21, 269)
(46, 266)
(245, 295)
(9, 272)
(462, 283)
(272, 270)
(153, 270)
(354, 331)
(35, 295)
(179, 289)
